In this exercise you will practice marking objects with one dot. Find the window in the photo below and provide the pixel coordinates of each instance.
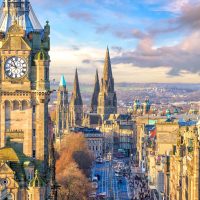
(33, 132)
(29, 176)
(46, 74)
(33, 109)
(34, 153)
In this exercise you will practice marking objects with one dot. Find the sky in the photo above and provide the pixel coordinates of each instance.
(149, 40)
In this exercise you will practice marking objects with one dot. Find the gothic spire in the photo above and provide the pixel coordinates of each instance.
(63, 82)
(95, 95)
(76, 94)
(107, 72)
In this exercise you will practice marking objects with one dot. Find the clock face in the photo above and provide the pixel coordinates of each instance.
(15, 67)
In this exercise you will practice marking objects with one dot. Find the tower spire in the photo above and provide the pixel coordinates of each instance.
(107, 98)
(76, 94)
(62, 81)
(107, 72)
(76, 104)
(94, 102)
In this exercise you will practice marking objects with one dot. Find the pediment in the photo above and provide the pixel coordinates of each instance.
(16, 43)
(5, 169)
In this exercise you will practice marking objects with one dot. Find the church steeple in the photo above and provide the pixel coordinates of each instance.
(62, 108)
(107, 72)
(107, 100)
(107, 80)
(76, 104)
(62, 82)
(94, 102)
(76, 94)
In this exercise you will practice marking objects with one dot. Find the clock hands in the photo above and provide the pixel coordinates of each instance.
(14, 63)
(15, 67)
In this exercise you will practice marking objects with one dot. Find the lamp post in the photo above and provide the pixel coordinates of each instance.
(110, 176)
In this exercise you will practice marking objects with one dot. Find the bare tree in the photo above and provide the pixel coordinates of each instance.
(72, 166)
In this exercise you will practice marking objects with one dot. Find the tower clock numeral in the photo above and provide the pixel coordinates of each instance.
(15, 67)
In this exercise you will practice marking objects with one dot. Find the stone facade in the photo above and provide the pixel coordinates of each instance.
(24, 98)
(184, 181)
(62, 109)
(94, 139)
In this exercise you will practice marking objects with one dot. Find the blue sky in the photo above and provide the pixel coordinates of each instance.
(149, 40)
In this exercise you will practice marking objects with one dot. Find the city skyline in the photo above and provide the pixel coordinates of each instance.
(149, 41)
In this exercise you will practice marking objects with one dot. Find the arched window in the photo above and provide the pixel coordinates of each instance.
(16, 105)
(7, 114)
(24, 105)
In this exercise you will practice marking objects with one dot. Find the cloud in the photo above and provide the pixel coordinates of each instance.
(81, 16)
(190, 17)
(117, 49)
(86, 61)
(178, 58)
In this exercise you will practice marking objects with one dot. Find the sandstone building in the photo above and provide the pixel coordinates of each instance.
(24, 97)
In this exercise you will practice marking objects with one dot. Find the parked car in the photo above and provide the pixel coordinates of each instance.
(94, 185)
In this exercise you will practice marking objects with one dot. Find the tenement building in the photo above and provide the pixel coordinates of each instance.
(184, 174)
(24, 97)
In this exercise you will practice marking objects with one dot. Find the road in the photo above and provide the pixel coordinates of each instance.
(109, 183)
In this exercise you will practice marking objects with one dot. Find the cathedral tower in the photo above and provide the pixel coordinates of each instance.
(76, 104)
(94, 102)
(62, 108)
(107, 100)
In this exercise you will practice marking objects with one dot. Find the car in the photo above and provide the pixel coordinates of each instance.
(93, 195)
(94, 179)
(99, 160)
(102, 195)
(118, 174)
(94, 185)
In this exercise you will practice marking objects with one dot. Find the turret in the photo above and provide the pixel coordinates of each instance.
(42, 70)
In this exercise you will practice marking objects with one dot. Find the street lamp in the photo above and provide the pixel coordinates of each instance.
(110, 176)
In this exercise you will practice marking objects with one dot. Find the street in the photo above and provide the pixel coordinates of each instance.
(113, 186)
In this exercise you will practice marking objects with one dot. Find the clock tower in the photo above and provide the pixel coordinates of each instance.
(24, 81)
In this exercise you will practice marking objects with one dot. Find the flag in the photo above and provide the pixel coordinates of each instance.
(152, 133)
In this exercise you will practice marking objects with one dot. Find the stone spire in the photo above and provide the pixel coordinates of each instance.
(62, 82)
(76, 98)
(107, 80)
(62, 108)
(76, 104)
(107, 72)
(95, 95)
(107, 100)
